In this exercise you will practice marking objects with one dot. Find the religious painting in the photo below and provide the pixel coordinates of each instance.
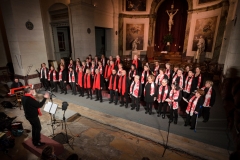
(205, 1)
(134, 36)
(135, 5)
(204, 33)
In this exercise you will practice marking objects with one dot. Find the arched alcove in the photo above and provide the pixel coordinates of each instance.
(177, 29)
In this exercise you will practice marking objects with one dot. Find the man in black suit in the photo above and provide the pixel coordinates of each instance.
(32, 110)
(63, 79)
(16, 83)
(44, 76)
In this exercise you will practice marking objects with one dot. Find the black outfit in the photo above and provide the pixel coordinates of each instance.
(136, 100)
(163, 105)
(206, 110)
(194, 116)
(44, 79)
(114, 92)
(131, 75)
(53, 84)
(99, 91)
(30, 107)
(63, 82)
(174, 112)
(145, 81)
(73, 84)
(178, 81)
(89, 90)
(172, 74)
(192, 89)
(16, 85)
(148, 98)
(125, 95)
(195, 82)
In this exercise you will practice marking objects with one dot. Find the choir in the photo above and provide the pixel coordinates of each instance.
(165, 88)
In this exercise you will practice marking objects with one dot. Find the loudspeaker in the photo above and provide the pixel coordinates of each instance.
(69, 115)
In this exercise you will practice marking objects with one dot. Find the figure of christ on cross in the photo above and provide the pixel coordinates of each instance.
(171, 13)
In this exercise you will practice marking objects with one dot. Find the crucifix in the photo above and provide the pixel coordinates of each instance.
(171, 13)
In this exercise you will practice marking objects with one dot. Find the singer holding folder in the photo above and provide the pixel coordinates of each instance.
(32, 109)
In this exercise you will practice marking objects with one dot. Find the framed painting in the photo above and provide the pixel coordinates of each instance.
(134, 36)
(135, 5)
(205, 29)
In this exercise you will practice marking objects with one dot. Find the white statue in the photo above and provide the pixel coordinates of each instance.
(134, 44)
(201, 48)
(171, 15)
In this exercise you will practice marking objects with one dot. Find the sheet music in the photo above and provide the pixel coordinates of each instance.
(50, 108)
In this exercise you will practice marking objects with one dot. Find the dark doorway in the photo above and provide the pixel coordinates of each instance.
(64, 41)
(177, 30)
(100, 35)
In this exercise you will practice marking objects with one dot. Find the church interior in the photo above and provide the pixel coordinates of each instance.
(197, 36)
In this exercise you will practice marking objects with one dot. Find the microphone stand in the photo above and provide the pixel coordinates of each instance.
(166, 144)
(66, 134)
(53, 120)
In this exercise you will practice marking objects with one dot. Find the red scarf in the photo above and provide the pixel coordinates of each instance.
(106, 71)
(110, 68)
(93, 70)
(130, 72)
(134, 89)
(167, 72)
(77, 68)
(70, 65)
(164, 94)
(188, 84)
(173, 95)
(114, 87)
(142, 77)
(103, 61)
(180, 82)
(54, 75)
(60, 75)
(122, 84)
(45, 72)
(100, 69)
(135, 62)
(207, 97)
(152, 89)
(199, 80)
(192, 105)
(80, 75)
(96, 83)
(83, 68)
(87, 80)
(30, 95)
(117, 62)
(156, 70)
(159, 79)
(71, 79)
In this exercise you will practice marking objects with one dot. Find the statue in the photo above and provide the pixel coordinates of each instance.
(201, 48)
(171, 14)
(134, 44)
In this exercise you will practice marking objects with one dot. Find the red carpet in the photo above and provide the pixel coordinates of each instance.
(58, 148)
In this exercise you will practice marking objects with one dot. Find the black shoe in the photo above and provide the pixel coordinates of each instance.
(175, 122)
(158, 115)
(126, 105)
(61, 92)
(170, 120)
(192, 128)
(101, 101)
(163, 116)
(79, 95)
(137, 109)
(121, 105)
(39, 144)
(115, 103)
(204, 121)
(110, 102)
(150, 113)
(96, 99)
(146, 112)
(185, 124)
(91, 98)
(132, 108)
(65, 93)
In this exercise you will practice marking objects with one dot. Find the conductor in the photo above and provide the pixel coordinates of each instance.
(32, 109)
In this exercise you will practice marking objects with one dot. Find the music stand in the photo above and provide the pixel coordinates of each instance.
(51, 108)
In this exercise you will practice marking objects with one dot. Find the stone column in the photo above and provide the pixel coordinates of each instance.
(233, 54)
(27, 47)
(82, 20)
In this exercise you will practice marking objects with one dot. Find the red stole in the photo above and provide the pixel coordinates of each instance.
(122, 84)
(134, 89)
(110, 68)
(60, 75)
(151, 90)
(167, 72)
(188, 84)
(71, 79)
(54, 75)
(192, 105)
(80, 75)
(135, 62)
(117, 62)
(142, 77)
(87, 80)
(77, 68)
(29, 95)
(106, 71)
(173, 95)
(45, 72)
(164, 94)
(100, 69)
(114, 87)
(96, 83)
(207, 97)
(93, 70)
(130, 72)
